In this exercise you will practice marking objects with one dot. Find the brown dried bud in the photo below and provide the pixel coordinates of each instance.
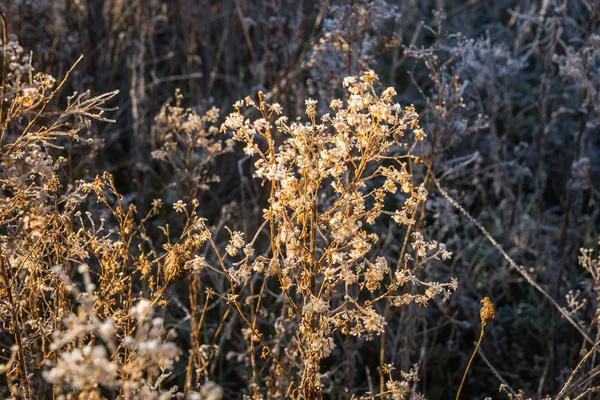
(174, 267)
(261, 98)
(488, 311)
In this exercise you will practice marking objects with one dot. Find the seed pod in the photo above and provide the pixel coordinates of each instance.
(488, 311)
(174, 268)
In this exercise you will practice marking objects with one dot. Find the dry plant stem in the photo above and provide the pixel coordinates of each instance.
(587, 392)
(248, 323)
(252, 356)
(195, 328)
(46, 102)
(470, 361)
(4, 70)
(224, 318)
(382, 353)
(511, 262)
(4, 368)
(17, 327)
(563, 391)
(496, 373)
(271, 201)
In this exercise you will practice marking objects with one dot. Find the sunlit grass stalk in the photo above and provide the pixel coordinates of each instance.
(487, 313)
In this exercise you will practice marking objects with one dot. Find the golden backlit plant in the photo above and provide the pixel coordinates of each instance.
(57, 235)
(328, 178)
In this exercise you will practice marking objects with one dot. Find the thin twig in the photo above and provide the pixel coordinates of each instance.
(519, 268)
(462, 382)
(4, 69)
(46, 102)
(568, 382)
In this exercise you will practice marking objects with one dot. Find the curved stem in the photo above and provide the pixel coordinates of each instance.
(470, 361)
(4, 70)
(23, 374)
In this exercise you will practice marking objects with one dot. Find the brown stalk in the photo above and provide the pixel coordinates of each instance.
(46, 102)
(519, 268)
(4, 69)
(17, 327)
(487, 313)
(246, 321)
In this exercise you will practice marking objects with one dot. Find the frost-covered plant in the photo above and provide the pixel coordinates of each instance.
(353, 35)
(50, 225)
(88, 357)
(35, 209)
(187, 142)
(329, 178)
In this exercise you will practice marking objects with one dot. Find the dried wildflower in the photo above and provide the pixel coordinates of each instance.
(84, 369)
(325, 193)
(316, 268)
(487, 312)
(311, 108)
(196, 264)
(179, 206)
(176, 267)
(235, 244)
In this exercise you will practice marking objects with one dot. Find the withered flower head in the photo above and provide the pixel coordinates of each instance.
(488, 311)
(174, 267)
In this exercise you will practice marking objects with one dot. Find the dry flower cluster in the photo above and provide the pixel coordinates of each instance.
(328, 179)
